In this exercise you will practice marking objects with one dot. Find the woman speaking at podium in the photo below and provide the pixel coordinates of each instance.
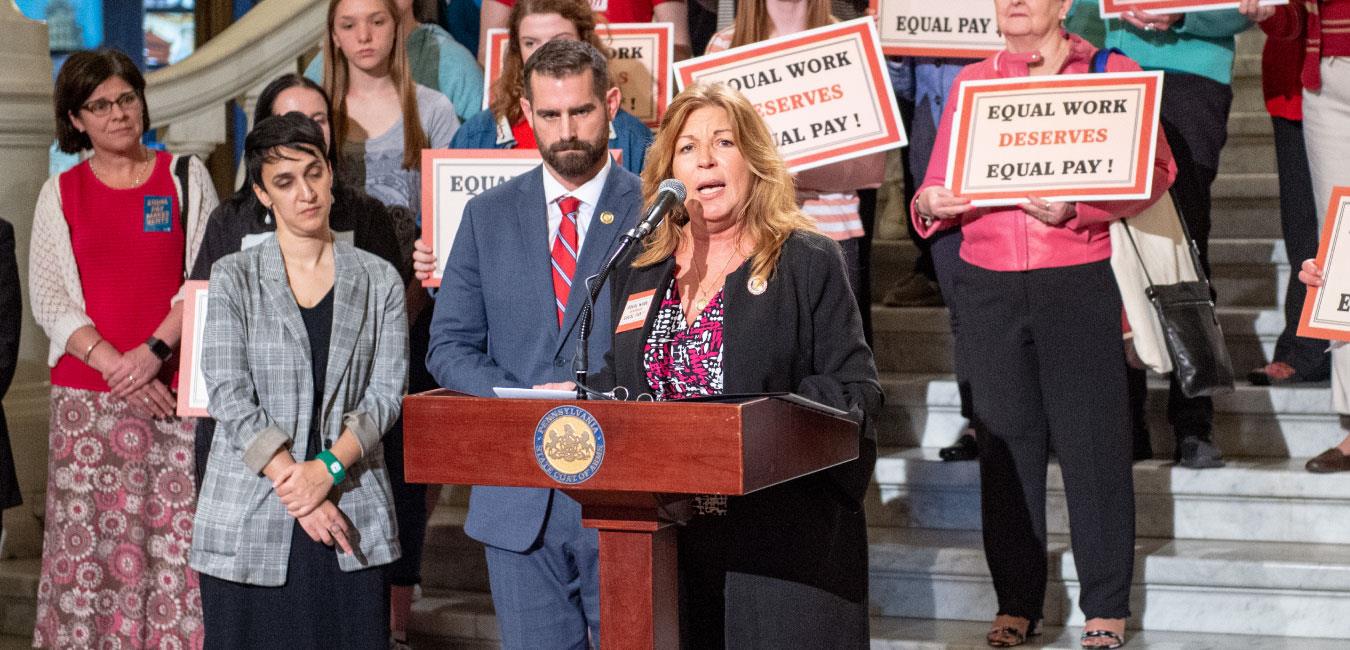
(749, 298)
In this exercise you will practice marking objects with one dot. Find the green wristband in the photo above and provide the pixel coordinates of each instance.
(333, 465)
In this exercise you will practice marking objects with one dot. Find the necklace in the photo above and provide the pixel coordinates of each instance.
(701, 295)
(140, 171)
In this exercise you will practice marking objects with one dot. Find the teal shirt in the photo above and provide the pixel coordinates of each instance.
(1201, 44)
(438, 62)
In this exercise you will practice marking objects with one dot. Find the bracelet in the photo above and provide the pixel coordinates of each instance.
(333, 465)
(90, 350)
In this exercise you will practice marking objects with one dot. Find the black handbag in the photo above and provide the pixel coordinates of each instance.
(1190, 326)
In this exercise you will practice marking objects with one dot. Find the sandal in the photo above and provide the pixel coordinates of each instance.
(1116, 639)
(1009, 636)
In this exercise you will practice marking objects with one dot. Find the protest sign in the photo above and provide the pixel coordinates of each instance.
(192, 396)
(639, 65)
(1114, 8)
(494, 57)
(1078, 137)
(450, 177)
(824, 92)
(962, 29)
(1326, 310)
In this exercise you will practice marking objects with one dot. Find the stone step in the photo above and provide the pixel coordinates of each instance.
(451, 559)
(926, 634)
(464, 621)
(923, 410)
(919, 339)
(1248, 500)
(1259, 588)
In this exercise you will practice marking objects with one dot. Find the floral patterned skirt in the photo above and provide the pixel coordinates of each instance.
(120, 500)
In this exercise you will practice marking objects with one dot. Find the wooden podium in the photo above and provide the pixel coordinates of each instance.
(653, 457)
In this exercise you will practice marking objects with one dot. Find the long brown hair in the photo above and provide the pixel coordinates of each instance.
(770, 213)
(753, 24)
(335, 80)
(508, 88)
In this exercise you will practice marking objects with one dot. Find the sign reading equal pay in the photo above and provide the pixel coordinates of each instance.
(824, 92)
(1078, 137)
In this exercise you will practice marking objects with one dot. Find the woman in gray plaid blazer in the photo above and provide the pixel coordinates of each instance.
(305, 359)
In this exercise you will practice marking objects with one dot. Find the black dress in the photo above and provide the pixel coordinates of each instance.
(320, 606)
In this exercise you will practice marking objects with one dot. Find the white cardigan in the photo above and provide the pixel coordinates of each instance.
(54, 278)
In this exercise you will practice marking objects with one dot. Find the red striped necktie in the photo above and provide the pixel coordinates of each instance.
(565, 254)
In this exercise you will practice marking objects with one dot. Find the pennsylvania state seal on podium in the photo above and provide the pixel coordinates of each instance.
(568, 444)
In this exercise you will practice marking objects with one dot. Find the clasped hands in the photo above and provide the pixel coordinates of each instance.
(303, 488)
(134, 377)
(937, 202)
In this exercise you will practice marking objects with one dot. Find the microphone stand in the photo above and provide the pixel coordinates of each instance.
(581, 362)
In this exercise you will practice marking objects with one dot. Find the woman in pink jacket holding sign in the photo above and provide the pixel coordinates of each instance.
(1041, 313)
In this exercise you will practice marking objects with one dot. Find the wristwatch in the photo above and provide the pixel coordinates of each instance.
(159, 348)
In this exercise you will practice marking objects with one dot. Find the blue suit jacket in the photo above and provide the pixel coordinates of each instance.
(495, 322)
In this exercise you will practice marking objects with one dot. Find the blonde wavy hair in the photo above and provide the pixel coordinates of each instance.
(769, 214)
(335, 80)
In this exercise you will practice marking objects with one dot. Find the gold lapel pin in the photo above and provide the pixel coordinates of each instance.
(757, 285)
(606, 217)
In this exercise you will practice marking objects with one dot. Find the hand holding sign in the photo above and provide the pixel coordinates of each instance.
(1064, 138)
(1326, 310)
(1147, 12)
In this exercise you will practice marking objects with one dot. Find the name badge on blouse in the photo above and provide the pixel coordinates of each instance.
(635, 312)
(158, 214)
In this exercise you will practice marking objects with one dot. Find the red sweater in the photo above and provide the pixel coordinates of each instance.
(130, 267)
(1282, 65)
(1324, 24)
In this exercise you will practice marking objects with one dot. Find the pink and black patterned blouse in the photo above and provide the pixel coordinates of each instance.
(685, 360)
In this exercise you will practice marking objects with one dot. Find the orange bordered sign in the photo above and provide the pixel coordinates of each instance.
(1080, 137)
(450, 177)
(1326, 311)
(960, 29)
(824, 93)
(1114, 8)
(192, 398)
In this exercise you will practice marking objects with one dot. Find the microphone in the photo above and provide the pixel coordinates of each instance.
(669, 194)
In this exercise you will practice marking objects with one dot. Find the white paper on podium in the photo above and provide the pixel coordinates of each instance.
(533, 393)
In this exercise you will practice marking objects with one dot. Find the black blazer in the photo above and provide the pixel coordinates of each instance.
(11, 314)
(803, 334)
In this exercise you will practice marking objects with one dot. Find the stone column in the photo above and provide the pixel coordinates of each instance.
(26, 132)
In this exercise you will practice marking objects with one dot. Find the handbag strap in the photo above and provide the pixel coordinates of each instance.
(1190, 246)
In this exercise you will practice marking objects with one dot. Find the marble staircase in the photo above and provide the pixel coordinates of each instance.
(1256, 554)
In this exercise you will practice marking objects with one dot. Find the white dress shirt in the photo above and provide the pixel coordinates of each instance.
(588, 194)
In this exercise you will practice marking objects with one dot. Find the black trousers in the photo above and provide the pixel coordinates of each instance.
(1298, 223)
(922, 132)
(1051, 371)
(1195, 119)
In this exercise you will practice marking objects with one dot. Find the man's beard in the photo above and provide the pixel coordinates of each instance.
(575, 158)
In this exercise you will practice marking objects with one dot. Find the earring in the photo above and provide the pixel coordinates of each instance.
(268, 220)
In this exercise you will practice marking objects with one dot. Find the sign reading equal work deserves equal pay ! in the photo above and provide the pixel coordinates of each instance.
(824, 92)
(1079, 137)
(963, 29)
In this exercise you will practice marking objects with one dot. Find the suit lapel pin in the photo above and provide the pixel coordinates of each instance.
(757, 285)
(606, 217)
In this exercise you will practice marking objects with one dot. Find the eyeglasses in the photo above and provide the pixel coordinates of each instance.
(101, 107)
